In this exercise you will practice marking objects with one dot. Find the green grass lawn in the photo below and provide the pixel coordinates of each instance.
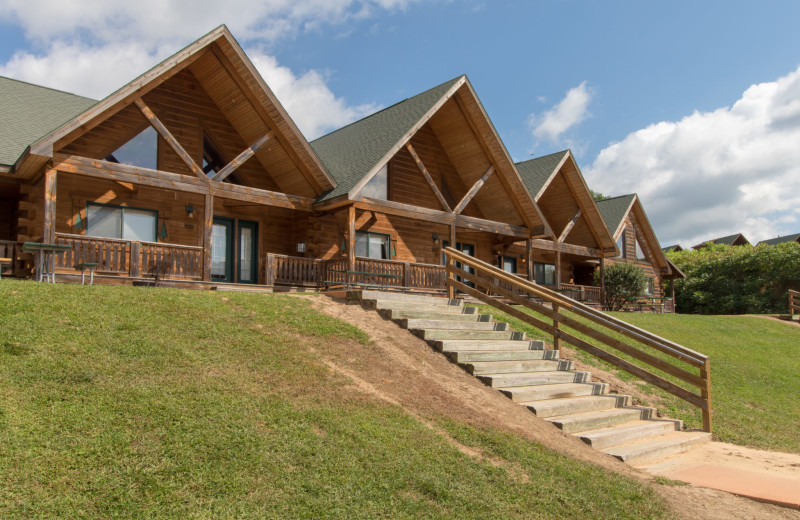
(755, 373)
(159, 403)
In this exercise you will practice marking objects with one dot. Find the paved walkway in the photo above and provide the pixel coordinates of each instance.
(765, 476)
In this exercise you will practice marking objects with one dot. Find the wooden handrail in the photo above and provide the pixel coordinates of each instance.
(794, 302)
(519, 291)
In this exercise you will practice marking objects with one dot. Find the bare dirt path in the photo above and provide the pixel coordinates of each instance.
(401, 369)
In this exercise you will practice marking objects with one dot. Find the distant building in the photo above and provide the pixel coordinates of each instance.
(781, 240)
(731, 240)
(675, 247)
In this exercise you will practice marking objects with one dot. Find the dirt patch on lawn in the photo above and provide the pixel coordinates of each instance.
(398, 368)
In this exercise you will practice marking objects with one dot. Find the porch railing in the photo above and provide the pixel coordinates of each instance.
(794, 302)
(368, 272)
(10, 249)
(643, 350)
(132, 258)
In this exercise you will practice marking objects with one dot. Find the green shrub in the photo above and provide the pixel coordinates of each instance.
(624, 283)
(737, 280)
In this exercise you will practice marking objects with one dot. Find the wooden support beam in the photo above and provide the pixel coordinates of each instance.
(241, 158)
(50, 188)
(428, 178)
(208, 222)
(164, 132)
(572, 249)
(173, 181)
(440, 217)
(351, 242)
(529, 257)
(602, 281)
(473, 190)
(569, 226)
(453, 236)
(558, 268)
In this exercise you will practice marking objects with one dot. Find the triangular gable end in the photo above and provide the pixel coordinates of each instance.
(486, 184)
(215, 54)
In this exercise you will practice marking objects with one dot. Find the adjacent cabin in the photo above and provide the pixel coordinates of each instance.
(736, 239)
(637, 243)
(781, 240)
(669, 249)
(194, 173)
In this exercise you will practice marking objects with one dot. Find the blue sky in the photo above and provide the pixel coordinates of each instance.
(652, 97)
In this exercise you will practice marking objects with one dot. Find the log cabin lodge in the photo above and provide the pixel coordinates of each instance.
(194, 173)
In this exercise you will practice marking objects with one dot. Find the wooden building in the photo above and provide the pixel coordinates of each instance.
(781, 240)
(637, 243)
(193, 172)
(737, 239)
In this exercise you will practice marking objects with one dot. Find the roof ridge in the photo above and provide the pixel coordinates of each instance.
(393, 105)
(47, 88)
(617, 197)
(543, 156)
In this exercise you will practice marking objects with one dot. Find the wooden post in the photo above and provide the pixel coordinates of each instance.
(705, 373)
(557, 327)
(208, 222)
(269, 277)
(529, 254)
(406, 275)
(453, 236)
(672, 292)
(50, 187)
(451, 291)
(558, 265)
(602, 282)
(351, 244)
(135, 263)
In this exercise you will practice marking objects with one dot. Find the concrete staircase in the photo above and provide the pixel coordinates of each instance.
(535, 377)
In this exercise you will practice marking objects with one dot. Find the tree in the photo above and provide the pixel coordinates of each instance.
(596, 195)
(624, 282)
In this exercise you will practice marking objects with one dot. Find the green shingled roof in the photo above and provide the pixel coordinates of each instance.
(675, 247)
(352, 151)
(781, 240)
(613, 210)
(535, 172)
(29, 112)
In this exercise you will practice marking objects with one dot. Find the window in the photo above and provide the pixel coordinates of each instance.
(140, 151)
(651, 287)
(378, 186)
(621, 244)
(508, 264)
(544, 274)
(640, 252)
(372, 245)
(104, 220)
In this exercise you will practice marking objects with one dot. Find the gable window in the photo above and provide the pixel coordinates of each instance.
(378, 186)
(141, 151)
(621, 245)
(640, 252)
(212, 160)
(544, 274)
(109, 221)
(508, 264)
(373, 245)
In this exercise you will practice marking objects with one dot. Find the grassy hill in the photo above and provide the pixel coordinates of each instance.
(755, 369)
(142, 403)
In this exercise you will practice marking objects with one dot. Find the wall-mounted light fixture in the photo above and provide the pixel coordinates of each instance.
(435, 238)
(189, 211)
(301, 247)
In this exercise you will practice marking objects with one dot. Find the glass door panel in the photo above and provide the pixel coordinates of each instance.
(222, 250)
(248, 252)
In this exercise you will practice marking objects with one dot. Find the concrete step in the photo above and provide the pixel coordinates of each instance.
(412, 306)
(452, 325)
(445, 334)
(553, 407)
(500, 355)
(401, 297)
(513, 367)
(399, 314)
(629, 432)
(580, 422)
(522, 394)
(651, 450)
(461, 345)
(505, 381)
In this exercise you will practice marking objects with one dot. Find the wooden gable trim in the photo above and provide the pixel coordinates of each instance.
(241, 158)
(177, 182)
(550, 245)
(428, 178)
(644, 229)
(552, 177)
(165, 134)
(568, 227)
(355, 192)
(621, 225)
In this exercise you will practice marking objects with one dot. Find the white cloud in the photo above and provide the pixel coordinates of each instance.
(736, 169)
(568, 113)
(93, 47)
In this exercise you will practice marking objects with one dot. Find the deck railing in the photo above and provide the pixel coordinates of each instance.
(645, 348)
(368, 272)
(10, 249)
(794, 302)
(132, 258)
